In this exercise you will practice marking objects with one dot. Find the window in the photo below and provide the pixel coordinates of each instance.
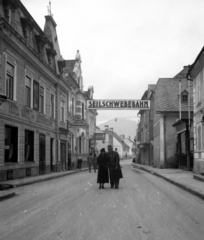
(68, 102)
(52, 111)
(35, 95)
(41, 109)
(29, 145)
(82, 109)
(62, 111)
(184, 96)
(28, 92)
(72, 106)
(10, 81)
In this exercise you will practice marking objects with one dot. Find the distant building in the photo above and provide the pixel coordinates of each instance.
(171, 147)
(195, 74)
(146, 129)
(111, 138)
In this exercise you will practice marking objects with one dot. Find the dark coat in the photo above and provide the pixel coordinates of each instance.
(102, 162)
(114, 166)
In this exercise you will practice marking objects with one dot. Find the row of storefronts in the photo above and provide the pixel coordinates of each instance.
(44, 121)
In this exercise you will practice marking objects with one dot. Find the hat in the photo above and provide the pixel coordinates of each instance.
(102, 150)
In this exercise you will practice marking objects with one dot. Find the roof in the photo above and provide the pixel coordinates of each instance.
(183, 73)
(70, 64)
(197, 62)
(115, 135)
(167, 92)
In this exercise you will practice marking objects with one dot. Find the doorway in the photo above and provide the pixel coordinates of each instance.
(63, 154)
(42, 154)
(51, 153)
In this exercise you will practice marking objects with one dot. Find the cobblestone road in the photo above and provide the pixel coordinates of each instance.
(145, 207)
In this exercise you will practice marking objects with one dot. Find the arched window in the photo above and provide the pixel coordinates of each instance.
(184, 96)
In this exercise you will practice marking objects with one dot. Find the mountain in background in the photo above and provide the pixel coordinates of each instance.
(122, 126)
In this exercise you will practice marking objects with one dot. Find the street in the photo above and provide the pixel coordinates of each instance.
(144, 207)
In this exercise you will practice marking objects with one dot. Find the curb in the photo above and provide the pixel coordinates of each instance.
(7, 196)
(182, 186)
(46, 178)
(13, 194)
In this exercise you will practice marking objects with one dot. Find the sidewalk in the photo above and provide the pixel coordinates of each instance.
(12, 184)
(186, 180)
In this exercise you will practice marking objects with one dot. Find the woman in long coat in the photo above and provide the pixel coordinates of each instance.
(102, 162)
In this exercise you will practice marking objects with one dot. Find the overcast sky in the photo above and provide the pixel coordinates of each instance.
(125, 44)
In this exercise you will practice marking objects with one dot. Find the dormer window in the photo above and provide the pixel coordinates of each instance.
(184, 96)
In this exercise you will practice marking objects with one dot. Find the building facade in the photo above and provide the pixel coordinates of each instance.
(146, 129)
(172, 106)
(43, 113)
(195, 76)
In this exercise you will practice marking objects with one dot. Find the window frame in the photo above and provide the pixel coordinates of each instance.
(184, 94)
(36, 89)
(10, 61)
(52, 105)
(62, 110)
(42, 99)
(28, 99)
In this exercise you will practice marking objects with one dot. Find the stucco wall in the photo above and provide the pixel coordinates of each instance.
(165, 138)
(170, 139)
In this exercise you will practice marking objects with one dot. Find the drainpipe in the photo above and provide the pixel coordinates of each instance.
(189, 123)
(179, 98)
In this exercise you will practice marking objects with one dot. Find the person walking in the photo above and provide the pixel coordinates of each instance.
(94, 162)
(79, 162)
(90, 161)
(102, 162)
(114, 167)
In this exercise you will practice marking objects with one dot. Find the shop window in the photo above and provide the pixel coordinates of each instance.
(11, 144)
(29, 145)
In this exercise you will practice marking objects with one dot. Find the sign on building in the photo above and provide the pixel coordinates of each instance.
(99, 136)
(125, 104)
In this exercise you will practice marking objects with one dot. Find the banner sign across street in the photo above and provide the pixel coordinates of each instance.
(125, 104)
